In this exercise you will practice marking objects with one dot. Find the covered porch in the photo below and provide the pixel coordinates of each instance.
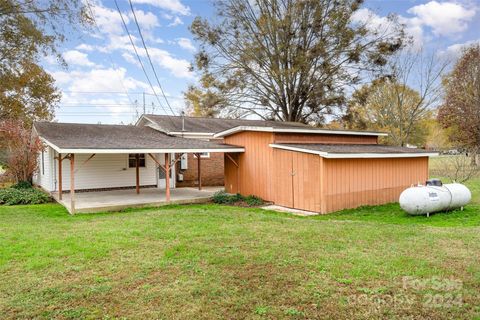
(87, 158)
(115, 200)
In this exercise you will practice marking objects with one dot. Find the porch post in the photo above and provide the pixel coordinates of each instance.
(199, 171)
(60, 187)
(137, 172)
(167, 177)
(72, 183)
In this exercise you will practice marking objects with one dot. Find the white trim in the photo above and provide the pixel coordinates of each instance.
(355, 155)
(50, 144)
(191, 133)
(146, 150)
(295, 130)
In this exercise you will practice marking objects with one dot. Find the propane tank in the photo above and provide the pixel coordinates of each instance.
(434, 197)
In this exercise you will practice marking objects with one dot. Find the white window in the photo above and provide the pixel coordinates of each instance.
(203, 155)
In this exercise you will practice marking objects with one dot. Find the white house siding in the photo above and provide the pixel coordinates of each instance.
(106, 171)
(43, 176)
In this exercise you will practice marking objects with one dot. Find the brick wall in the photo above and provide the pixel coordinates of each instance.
(212, 170)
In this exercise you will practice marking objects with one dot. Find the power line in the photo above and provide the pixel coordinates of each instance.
(148, 56)
(119, 92)
(136, 53)
(108, 54)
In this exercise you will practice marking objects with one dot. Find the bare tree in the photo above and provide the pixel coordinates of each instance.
(288, 60)
(457, 168)
(401, 100)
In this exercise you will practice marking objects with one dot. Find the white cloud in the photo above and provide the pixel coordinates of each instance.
(108, 20)
(178, 67)
(75, 57)
(383, 25)
(175, 6)
(131, 59)
(146, 20)
(84, 47)
(187, 44)
(97, 80)
(455, 50)
(177, 21)
(445, 18)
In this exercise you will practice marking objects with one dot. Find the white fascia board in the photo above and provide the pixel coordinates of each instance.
(295, 130)
(179, 150)
(48, 143)
(179, 133)
(356, 155)
(141, 118)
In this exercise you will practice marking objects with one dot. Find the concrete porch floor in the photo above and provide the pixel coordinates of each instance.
(115, 200)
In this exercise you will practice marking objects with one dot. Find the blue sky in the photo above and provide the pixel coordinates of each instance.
(104, 82)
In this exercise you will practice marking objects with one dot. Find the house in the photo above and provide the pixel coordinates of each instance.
(93, 157)
(290, 164)
(212, 164)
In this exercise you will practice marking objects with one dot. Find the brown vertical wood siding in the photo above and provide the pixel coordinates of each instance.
(255, 164)
(323, 138)
(350, 183)
(309, 182)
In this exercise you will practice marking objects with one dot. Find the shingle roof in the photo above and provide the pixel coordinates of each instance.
(213, 125)
(100, 136)
(354, 148)
(218, 126)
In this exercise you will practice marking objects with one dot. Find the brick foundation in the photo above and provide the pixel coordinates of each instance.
(212, 170)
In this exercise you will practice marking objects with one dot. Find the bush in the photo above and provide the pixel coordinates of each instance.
(221, 197)
(22, 185)
(12, 196)
(253, 201)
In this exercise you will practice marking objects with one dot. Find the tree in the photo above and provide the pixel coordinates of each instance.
(22, 150)
(387, 106)
(28, 31)
(391, 104)
(27, 94)
(201, 103)
(288, 60)
(460, 110)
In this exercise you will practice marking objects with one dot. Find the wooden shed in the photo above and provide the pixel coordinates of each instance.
(320, 170)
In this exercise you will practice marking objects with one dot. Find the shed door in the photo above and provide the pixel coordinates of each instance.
(297, 180)
(283, 177)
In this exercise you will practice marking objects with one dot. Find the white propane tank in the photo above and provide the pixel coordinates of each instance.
(427, 199)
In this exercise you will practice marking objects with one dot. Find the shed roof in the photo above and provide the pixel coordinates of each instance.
(225, 127)
(355, 150)
(101, 138)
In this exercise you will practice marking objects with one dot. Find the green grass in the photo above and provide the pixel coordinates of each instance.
(217, 262)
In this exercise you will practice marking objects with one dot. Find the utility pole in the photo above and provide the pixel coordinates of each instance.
(143, 102)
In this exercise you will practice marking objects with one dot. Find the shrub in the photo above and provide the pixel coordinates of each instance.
(253, 201)
(221, 197)
(12, 196)
(22, 185)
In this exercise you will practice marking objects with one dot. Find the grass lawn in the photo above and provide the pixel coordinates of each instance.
(217, 262)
